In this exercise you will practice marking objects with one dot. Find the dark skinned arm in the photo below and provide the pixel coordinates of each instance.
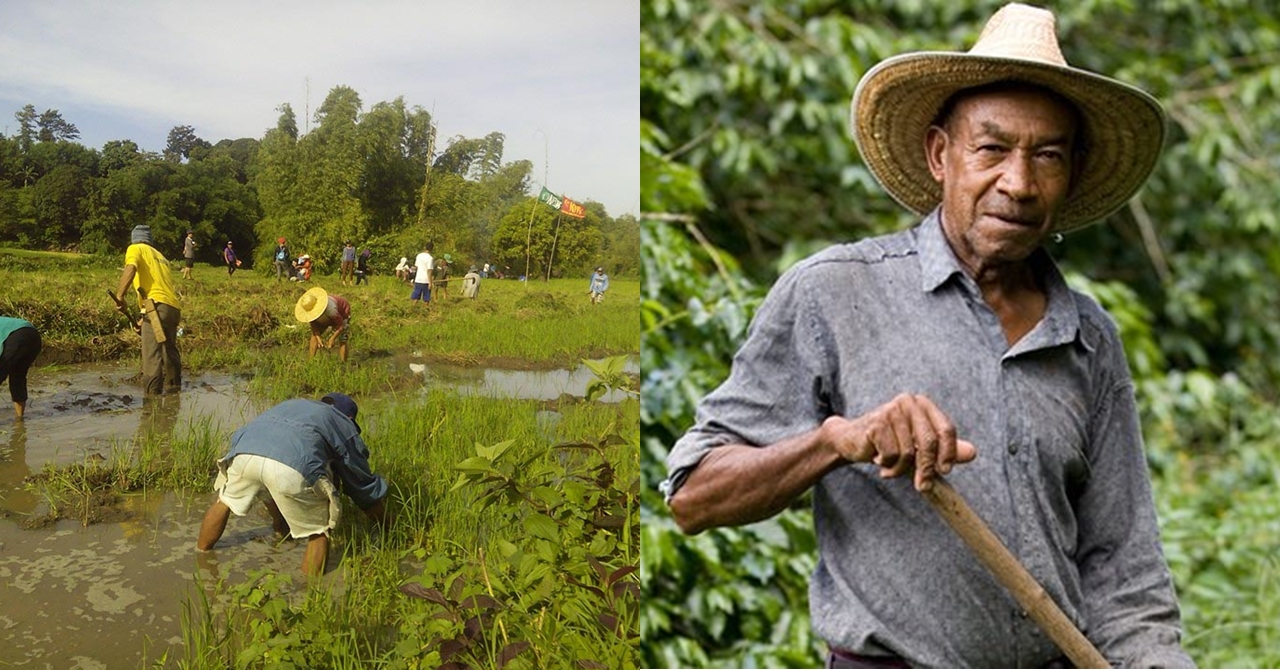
(737, 484)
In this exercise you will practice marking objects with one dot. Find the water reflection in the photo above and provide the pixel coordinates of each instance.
(14, 469)
(517, 384)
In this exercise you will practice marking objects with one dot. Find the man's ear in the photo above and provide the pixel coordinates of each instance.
(935, 146)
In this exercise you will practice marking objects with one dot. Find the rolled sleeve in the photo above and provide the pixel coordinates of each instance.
(775, 390)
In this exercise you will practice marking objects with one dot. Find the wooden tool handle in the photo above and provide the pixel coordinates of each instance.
(149, 306)
(1009, 572)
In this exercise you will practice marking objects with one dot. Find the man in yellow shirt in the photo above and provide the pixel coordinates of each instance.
(147, 271)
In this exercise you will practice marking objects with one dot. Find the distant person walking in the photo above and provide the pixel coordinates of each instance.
(362, 267)
(599, 284)
(189, 254)
(281, 260)
(348, 262)
(471, 283)
(229, 255)
(147, 271)
(21, 345)
(422, 278)
(440, 278)
(324, 311)
(295, 457)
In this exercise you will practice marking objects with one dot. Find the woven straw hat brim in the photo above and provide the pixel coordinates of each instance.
(318, 307)
(895, 102)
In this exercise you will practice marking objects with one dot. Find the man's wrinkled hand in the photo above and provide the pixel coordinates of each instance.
(906, 434)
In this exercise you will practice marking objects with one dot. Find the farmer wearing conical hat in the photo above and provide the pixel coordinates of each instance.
(324, 311)
(956, 349)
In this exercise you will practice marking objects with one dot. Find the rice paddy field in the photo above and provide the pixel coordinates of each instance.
(507, 427)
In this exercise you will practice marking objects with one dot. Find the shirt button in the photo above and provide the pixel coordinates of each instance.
(1013, 448)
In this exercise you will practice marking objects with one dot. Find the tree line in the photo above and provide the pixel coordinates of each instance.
(747, 165)
(378, 177)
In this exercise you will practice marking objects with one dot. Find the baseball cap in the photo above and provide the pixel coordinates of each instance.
(343, 403)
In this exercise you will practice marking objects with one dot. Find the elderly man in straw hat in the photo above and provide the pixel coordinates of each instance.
(147, 271)
(324, 312)
(956, 348)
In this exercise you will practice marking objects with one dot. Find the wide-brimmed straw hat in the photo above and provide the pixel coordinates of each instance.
(311, 305)
(899, 98)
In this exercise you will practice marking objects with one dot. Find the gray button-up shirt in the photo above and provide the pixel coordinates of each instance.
(1060, 475)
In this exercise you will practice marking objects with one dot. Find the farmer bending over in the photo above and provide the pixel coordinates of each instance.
(956, 348)
(290, 456)
(324, 311)
(19, 346)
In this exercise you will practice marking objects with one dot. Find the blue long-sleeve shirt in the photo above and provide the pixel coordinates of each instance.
(313, 438)
(599, 282)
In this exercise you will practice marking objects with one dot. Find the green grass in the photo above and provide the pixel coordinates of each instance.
(239, 322)
(508, 595)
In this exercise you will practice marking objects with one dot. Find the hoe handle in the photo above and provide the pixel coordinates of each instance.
(120, 307)
(1009, 572)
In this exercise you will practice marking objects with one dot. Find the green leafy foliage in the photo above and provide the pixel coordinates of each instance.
(376, 177)
(747, 165)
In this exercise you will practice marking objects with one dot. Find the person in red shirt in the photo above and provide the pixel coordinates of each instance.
(324, 312)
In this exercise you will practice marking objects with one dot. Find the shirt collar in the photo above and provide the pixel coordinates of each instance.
(1061, 322)
(937, 262)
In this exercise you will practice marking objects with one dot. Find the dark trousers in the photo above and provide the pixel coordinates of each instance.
(161, 363)
(19, 352)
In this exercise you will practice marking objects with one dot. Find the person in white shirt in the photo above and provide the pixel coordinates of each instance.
(422, 280)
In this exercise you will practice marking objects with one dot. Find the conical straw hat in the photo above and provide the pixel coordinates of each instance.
(899, 98)
(311, 305)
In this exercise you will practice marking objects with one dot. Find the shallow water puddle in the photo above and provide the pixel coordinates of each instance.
(99, 596)
(519, 384)
(106, 595)
(89, 411)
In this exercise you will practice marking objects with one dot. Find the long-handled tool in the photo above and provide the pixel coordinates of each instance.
(148, 310)
(120, 307)
(1009, 572)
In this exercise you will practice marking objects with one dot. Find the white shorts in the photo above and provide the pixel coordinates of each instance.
(310, 510)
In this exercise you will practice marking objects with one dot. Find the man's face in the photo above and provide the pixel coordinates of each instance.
(1004, 160)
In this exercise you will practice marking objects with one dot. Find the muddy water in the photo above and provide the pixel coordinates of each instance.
(98, 596)
(521, 384)
(92, 411)
(110, 595)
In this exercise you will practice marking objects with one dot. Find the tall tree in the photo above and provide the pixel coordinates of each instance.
(118, 154)
(182, 141)
(53, 128)
(27, 128)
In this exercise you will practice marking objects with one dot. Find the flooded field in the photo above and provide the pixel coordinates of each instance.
(108, 595)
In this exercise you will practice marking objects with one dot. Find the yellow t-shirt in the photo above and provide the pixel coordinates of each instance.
(152, 275)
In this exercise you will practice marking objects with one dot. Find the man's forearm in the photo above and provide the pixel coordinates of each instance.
(737, 484)
(126, 279)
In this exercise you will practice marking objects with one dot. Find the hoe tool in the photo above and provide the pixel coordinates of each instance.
(1012, 575)
(148, 310)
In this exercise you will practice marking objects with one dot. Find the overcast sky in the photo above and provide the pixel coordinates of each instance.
(560, 78)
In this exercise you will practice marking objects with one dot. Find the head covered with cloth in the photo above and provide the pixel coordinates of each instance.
(955, 349)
